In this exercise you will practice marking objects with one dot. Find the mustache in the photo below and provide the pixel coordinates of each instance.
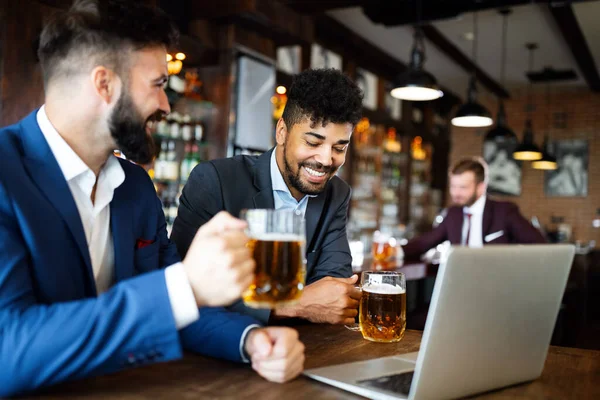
(317, 166)
(156, 116)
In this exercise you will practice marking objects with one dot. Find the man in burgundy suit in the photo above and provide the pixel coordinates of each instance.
(475, 220)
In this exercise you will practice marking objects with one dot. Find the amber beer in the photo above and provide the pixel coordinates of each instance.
(383, 250)
(279, 276)
(277, 243)
(382, 312)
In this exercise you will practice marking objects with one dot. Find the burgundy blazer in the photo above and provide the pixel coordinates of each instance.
(502, 224)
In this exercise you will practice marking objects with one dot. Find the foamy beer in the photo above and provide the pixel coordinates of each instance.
(277, 242)
(382, 313)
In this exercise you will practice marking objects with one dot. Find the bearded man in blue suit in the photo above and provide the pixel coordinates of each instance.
(89, 282)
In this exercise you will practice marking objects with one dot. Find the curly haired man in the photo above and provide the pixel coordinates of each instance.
(299, 173)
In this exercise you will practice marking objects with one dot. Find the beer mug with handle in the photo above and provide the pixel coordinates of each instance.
(382, 310)
(277, 242)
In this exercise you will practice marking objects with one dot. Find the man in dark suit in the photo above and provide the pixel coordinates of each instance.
(313, 135)
(89, 282)
(475, 220)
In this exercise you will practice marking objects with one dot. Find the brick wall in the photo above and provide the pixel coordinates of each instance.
(582, 110)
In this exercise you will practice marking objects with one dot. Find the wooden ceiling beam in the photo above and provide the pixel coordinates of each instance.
(269, 17)
(455, 54)
(322, 6)
(569, 26)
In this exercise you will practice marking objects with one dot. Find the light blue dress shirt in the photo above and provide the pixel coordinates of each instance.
(281, 193)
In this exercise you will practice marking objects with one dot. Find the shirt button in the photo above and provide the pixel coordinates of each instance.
(298, 212)
(131, 360)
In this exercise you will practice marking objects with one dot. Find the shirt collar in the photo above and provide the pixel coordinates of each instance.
(477, 207)
(69, 162)
(277, 182)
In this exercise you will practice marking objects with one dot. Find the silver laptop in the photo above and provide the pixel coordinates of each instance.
(489, 325)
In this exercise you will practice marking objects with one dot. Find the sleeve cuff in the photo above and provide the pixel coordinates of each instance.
(243, 342)
(183, 303)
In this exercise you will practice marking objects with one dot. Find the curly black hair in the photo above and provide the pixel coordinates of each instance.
(101, 31)
(323, 95)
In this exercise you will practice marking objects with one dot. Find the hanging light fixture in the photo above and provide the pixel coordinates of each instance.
(472, 114)
(501, 132)
(548, 161)
(416, 84)
(527, 150)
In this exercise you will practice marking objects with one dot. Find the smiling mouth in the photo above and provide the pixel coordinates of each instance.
(314, 173)
(150, 126)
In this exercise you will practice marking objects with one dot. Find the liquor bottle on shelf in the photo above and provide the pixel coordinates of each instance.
(194, 158)
(198, 131)
(161, 163)
(185, 170)
(175, 127)
(162, 128)
(186, 128)
(172, 166)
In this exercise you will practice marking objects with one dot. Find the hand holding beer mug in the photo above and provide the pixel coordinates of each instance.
(277, 240)
(218, 264)
(382, 311)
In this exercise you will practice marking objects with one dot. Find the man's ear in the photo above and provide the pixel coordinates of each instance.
(105, 83)
(481, 189)
(281, 132)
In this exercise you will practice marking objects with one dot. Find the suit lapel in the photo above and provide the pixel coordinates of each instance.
(121, 224)
(47, 175)
(262, 181)
(455, 225)
(314, 209)
(487, 219)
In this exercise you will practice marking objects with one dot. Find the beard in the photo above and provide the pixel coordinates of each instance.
(470, 201)
(128, 129)
(294, 178)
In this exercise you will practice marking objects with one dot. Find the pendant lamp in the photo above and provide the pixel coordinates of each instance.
(548, 161)
(501, 132)
(527, 150)
(472, 114)
(416, 84)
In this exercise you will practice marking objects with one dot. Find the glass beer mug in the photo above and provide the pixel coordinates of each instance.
(383, 251)
(277, 242)
(382, 310)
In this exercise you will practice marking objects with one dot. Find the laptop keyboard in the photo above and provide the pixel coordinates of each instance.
(397, 383)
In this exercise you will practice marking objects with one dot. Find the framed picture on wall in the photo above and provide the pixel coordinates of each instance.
(393, 106)
(367, 82)
(504, 171)
(570, 179)
(320, 57)
(288, 59)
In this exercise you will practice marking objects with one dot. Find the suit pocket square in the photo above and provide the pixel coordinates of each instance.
(493, 236)
(141, 243)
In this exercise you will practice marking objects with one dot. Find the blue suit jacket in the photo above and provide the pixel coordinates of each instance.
(53, 326)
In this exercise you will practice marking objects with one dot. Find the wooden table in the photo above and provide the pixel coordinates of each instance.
(568, 374)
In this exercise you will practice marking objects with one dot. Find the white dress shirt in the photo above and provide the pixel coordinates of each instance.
(476, 234)
(95, 218)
